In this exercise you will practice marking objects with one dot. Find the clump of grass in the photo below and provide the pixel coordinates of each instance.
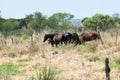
(94, 58)
(88, 47)
(12, 54)
(25, 39)
(93, 46)
(5, 77)
(22, 65)
(110, 43)
(117, 65)
(33, 47)
(8, 69)
(43, 54)
(24, 60)
(45, 73)
(118, 61)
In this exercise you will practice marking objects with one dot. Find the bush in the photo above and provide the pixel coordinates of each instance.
(45, 73)
(8, 69)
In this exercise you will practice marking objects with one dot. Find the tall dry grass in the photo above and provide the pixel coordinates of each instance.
(77, 62)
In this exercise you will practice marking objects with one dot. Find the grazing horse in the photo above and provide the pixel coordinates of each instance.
(58, 38)
(89, 36)
(75, 38)
(51, 42)
(67, 37)
(48, 36)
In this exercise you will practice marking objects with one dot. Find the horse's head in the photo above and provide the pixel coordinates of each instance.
(45, 38)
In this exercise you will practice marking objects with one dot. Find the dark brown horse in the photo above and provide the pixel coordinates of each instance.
(89, 36)
(57, 39)
(49, 38)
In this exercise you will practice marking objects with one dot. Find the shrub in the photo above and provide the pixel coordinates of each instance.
(12, 54)
(45, 73)
(24, 60)
(8, 69)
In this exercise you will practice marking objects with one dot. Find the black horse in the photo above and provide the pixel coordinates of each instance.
(49, 36)
(67, 37)
(75, 38)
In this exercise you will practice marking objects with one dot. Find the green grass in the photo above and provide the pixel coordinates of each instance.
(24, 60)
(22, 65)
(25, 39)
(12, 54)
(117, 63)
(45, 73)
(9, 68)
(116, 67)
(94, 58)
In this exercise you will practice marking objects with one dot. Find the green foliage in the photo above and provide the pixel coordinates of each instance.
(8, 69)
(22, 65)
(45, 73)
(10, 24)
(25, 38)
(118, 61)
(116, 67)
(116, 17)
(94, 58)
(98, 21)
(91, 47)
(24, 60)
(36, 21)
(60, 21)
(12, 54)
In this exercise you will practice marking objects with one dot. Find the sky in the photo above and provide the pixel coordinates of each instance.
(79, 8)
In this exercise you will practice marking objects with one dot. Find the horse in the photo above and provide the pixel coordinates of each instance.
(58, 38)
(75, 38)
(89, 36)
(49, 36)
(67, 37)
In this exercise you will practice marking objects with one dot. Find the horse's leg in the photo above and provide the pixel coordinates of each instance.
(83, 42)
(57, 42)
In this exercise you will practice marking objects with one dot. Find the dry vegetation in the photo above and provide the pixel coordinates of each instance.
(35, 60)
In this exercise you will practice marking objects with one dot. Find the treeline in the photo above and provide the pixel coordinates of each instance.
(37, 22)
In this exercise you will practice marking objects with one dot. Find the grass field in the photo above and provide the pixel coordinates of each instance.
(26, 58)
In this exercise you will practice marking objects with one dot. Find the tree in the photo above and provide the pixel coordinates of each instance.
(98, 21)
(60, 21)
(35, 21)
(10, 25)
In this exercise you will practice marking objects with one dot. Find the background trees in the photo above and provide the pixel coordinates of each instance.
(35, 21)
(98, 21)
(58, 22)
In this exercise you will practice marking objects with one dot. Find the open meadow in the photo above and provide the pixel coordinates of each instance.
(29, 58)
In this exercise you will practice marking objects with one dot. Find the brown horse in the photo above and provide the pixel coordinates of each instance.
(89, 36)
(58, 39)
